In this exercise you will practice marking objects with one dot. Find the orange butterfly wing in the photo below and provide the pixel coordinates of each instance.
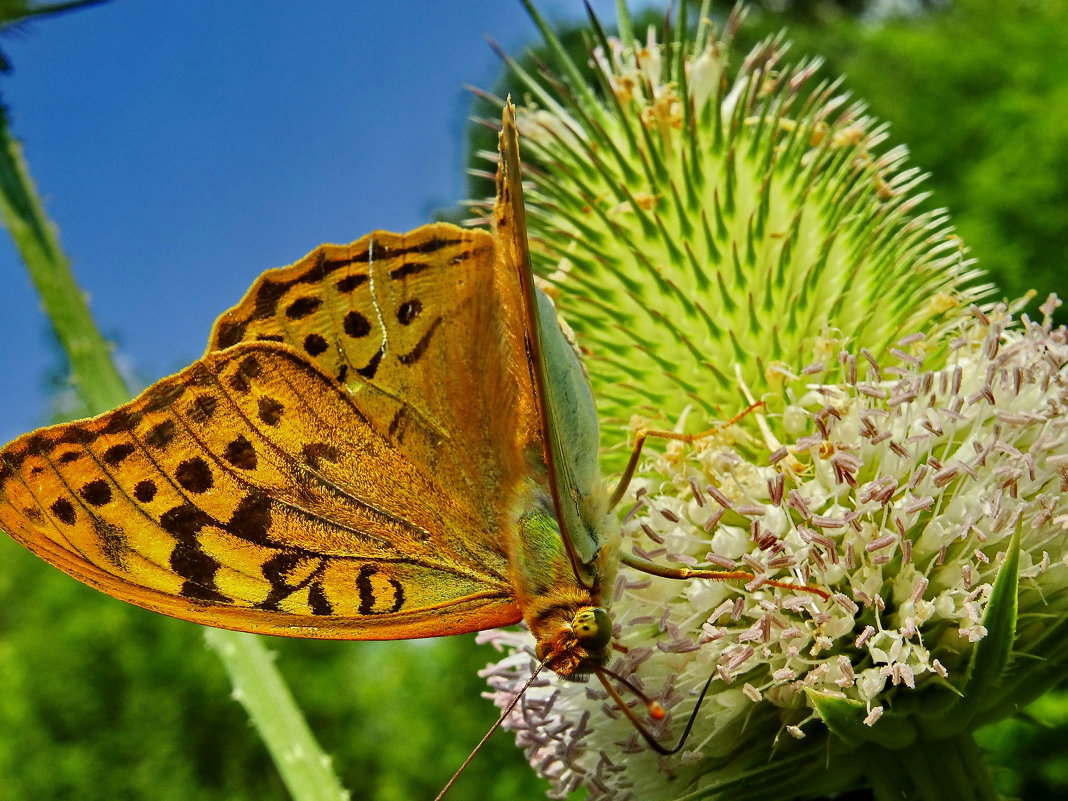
(341, 463)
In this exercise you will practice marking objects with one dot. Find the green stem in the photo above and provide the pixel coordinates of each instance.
(259, 687)
(304, 767)
(94, 373)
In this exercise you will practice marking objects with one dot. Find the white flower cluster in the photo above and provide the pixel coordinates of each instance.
(721, 237)
(894, 487)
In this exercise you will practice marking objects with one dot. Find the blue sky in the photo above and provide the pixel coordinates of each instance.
(183, 148)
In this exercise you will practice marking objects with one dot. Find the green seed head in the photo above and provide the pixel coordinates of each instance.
(708, 232)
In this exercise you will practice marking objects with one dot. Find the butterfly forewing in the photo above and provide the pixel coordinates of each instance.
(359, 491)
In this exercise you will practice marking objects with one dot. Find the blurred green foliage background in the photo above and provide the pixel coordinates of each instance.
(977, 91)
(133, 705)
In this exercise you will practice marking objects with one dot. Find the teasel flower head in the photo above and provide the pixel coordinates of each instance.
(725, 234)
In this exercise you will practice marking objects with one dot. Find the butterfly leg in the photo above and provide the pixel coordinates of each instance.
(718, 575)
(644, 433)
(688, 572)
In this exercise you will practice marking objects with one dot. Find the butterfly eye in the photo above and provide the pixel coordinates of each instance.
(593, 627)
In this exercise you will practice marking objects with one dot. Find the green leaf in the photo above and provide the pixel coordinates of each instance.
(1026, 679)
(845, 719)
(947, 769)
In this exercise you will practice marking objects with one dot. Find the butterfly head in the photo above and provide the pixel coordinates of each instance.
(578, 645)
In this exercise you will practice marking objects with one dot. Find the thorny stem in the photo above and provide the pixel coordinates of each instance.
(260, 688)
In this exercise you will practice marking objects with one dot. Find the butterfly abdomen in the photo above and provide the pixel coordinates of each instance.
(547, 591)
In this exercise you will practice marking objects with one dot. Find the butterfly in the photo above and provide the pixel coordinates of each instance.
(372, 447)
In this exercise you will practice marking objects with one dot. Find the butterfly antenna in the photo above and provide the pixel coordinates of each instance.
(507, 711)
(656, 711)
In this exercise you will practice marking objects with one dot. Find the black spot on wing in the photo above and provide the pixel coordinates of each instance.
(240, 453)
(268, 293)
(252, 519)
(378, 250)
(431, 245)
(7, 467)
(75, 435)
(116, 453)
(318, 602)
(395, 424)
(113, 542)
(408, 269)
(184, 522)
(121, 420)
(368, 370)
(269, 410)
(202, 408)
(303, 307)
(96, 492)
(163, 396)
(228, 332)
(194, 475)
(241, 379)
(197, 591)
(356, 325)
(469, 253)
(198, 375)
(350, 282)
(64, 511)
(145, 491)
(408, 311)
(366, 589)
(40, 445)
(276, 570)
(188, 559)
(314, 345)
(160, 435)
(372, 598)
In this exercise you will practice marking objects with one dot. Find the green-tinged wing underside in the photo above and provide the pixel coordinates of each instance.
(568, 414)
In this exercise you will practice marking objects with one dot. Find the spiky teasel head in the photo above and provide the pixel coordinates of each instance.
(693, 218)
(717, 238)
